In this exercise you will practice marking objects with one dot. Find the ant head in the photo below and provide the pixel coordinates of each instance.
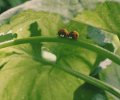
(63, 33)
(74, 35)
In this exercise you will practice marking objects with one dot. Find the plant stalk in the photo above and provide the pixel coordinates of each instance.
(80, 43)
(93, 81)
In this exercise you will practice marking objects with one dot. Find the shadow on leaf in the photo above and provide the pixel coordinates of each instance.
(89, 92)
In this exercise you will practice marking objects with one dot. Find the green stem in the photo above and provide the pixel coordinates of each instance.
(103, 52)
(93, 81)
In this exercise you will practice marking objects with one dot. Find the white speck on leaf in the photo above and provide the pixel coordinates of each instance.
(105, 63)
(48, 56)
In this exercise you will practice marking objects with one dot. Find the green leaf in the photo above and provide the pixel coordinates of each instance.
(96, 35)
(111, 75)
(105, 16)
(26, 74)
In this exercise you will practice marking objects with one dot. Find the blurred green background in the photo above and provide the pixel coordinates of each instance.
(7, 4)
